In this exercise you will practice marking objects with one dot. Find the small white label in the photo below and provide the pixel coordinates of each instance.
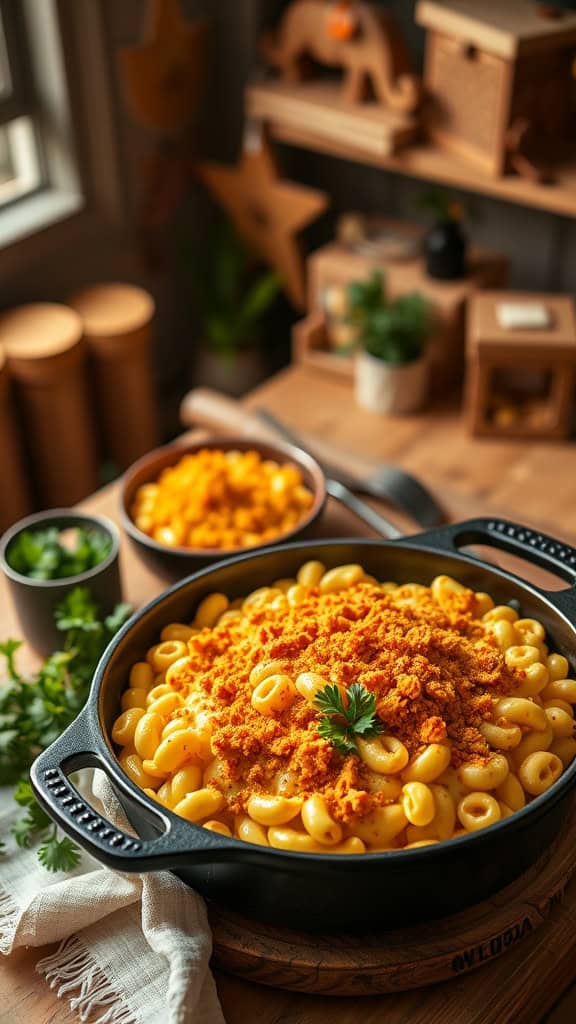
(513, 316)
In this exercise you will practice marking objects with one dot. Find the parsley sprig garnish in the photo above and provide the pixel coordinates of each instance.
(35, 711)
(341, 722)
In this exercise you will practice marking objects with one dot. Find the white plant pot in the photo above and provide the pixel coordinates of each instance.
(389, 387)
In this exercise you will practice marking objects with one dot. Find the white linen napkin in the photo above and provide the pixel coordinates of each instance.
(134, 949)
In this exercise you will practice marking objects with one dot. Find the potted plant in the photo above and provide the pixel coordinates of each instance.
(391, 372)
(445, 244)
(232, 297)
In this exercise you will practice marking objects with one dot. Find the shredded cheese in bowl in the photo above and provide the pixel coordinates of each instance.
(222, 500)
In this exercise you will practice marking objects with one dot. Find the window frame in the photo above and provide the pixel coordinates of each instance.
(82, 183)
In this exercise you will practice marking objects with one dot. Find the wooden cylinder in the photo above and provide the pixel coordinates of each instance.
(46, 359)
(15, 497)
(117, 321)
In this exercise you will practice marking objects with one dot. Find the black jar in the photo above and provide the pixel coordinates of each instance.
(445, 250)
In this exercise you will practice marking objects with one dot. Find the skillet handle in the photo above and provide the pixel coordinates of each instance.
(178, 841)
(535, 547)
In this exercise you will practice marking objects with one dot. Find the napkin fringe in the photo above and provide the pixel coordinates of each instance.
(72, 968)
(9, 914)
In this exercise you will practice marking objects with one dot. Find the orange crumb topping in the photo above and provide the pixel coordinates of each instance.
(434, 670)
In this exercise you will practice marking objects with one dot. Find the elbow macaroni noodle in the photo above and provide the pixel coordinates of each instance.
(400, 796)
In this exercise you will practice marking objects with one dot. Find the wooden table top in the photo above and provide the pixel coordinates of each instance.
(534, 483)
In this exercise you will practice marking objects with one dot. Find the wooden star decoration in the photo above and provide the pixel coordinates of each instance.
(163, 77)
(267, 211)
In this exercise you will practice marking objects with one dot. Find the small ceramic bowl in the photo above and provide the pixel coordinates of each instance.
(177, 561)
(36, 600)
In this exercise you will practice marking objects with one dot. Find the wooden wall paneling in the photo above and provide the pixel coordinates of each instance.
(528, 237)
(531, 239)
(236, 26)
(351, 186)
(563, 265)
(541, 247)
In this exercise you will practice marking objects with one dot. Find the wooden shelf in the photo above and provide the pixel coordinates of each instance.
(269, 101)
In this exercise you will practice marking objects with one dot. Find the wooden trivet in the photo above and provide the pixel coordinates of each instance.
(406, 958)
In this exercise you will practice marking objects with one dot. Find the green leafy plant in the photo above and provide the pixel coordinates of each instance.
(42, 554)
(54, 854)
(231, 296)
(393, 330)
(35, 711)
(441, 204)
(341, 722)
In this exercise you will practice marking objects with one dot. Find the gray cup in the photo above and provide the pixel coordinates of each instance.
(36, 600)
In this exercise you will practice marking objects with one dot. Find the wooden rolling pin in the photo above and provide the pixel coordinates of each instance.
(211, 410)
(203, 407)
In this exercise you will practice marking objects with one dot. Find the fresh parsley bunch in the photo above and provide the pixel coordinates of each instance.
(35, 711)
(41, 555)
(341, 722)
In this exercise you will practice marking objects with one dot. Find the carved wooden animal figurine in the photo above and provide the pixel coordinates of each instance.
(372, 53)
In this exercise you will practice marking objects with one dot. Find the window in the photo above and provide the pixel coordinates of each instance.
(19, 156)
(39, 181)
(61, 174)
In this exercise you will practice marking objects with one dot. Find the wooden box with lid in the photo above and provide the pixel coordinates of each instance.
(520, 381)
(499, 80)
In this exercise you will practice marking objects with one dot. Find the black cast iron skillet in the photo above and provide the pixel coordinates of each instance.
(309, 890)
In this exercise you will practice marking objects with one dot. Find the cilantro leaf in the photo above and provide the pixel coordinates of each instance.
(8, 649)
(58, 855)
(22, 833)
(23, 794)
(343, 719)
(35, 711)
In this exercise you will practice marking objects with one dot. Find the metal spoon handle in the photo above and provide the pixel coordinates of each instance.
(388, 483)
(365, 512)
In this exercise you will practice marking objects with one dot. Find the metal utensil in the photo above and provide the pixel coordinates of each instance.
(365, 512)
(207, 408)
(388, 482)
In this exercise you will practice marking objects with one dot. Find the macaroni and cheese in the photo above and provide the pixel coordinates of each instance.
(473, 715)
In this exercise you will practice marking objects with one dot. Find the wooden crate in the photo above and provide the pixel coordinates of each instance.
(523, 355)
(311, 346)
(498, 76)
(336, 263)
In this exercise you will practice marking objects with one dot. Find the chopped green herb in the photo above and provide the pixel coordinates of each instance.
(35, 711)
(44, 554)
(58, 854)
(341, 722)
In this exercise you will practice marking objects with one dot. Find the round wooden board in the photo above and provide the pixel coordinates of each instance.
(374, 964)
